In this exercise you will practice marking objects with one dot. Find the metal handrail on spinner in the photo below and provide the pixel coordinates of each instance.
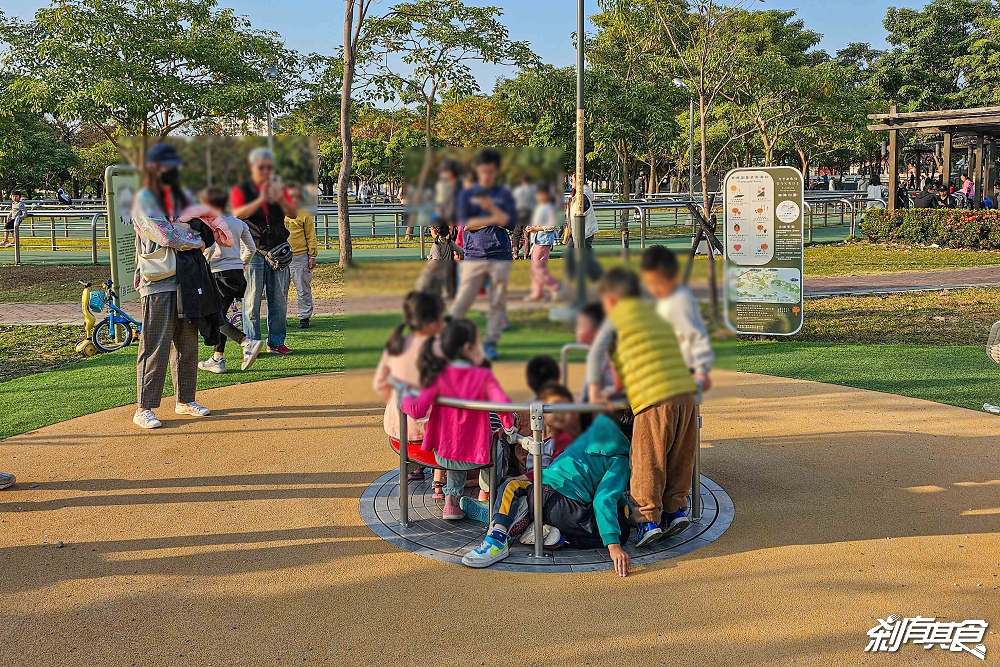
(533, 445)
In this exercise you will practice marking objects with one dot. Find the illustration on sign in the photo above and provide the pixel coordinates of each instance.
(763, 241)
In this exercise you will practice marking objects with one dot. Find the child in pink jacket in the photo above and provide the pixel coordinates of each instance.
(460, 439)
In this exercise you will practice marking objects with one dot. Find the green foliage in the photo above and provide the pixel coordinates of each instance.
(145, 70)
(949, 228)
(540, 103)
(32, 155)
(435, 40)
(929, 63)
(91, 163)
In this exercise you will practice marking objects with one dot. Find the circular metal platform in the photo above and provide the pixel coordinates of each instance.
(431, 536)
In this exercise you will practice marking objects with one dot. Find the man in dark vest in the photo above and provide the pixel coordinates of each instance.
(261, 201)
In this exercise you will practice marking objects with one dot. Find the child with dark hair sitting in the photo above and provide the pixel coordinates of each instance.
(540, 371)
(583, 499)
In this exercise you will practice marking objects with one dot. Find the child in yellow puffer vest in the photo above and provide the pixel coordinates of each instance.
(663, 397)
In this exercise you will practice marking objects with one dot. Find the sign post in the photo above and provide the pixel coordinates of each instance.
(764, 244)
(121, 183)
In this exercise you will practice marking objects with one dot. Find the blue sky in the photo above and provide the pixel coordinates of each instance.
(317, 25)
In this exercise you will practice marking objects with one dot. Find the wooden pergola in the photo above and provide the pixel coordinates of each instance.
(980, 126)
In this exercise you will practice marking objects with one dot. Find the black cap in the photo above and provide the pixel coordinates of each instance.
(164, 155)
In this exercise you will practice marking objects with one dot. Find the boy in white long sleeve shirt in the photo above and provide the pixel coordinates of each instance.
(676, 305)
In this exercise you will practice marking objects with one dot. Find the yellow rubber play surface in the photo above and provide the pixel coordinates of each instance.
(237, 540)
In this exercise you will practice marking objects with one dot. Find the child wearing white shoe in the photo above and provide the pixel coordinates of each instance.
(583, 499)
(228, 264)
(461, 440)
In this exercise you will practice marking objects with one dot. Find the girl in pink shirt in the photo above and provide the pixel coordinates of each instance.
(423, 315)
(460, 439)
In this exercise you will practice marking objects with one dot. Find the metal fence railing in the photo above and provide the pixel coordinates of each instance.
(72, 225)
(620, 225)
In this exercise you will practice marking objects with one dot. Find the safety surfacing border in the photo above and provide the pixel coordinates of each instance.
(446, 541)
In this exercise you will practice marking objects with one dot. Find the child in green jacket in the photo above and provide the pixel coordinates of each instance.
(583, 496)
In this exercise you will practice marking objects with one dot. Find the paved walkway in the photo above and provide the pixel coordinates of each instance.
(69, 313)
(236, 540)
(915, 281)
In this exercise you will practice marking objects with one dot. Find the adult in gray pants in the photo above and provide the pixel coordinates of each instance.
(166, 336)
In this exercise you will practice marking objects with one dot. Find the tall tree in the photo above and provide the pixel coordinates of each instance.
(924, 69)
(637, 111)
(540, 104)
(32, 155)
(145, 70)
(698, 41)
(355, 13)
(435, 40)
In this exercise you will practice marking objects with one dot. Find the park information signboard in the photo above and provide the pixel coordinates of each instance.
(763, 268)
(121, 183)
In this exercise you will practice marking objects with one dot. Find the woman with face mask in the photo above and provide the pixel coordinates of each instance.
(166, 336)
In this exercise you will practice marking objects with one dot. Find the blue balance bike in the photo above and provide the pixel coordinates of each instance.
(113, 332)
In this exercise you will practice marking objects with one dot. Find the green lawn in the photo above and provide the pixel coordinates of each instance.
(108, 380)
(863, 258)
(954, 375)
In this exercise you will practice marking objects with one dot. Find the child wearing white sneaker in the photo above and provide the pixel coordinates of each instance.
(228, 264)
(461, 440)
(583, 499)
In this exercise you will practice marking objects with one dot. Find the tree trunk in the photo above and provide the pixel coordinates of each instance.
(347, 152)
(652, 173)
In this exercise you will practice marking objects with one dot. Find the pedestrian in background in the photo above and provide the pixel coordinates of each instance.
(166, 334)
(524, 204)
(302, 238)
(261, 202)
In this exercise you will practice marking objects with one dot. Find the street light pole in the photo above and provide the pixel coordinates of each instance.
(579, 216)
(271, 74)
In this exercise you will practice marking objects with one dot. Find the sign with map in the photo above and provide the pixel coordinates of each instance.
(121, 183)
(763, 241)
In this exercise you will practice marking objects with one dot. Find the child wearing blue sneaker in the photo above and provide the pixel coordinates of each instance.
(583, 499)
(662, 394)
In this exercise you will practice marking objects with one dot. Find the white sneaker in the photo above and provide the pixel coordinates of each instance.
(146, 419)
(213, 365)
(251, 348)
(550, 535)
(194, 409)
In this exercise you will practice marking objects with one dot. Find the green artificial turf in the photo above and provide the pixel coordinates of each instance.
(954, 375)
(108, 380)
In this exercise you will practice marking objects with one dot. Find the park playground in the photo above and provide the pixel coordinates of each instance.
(247, 529)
